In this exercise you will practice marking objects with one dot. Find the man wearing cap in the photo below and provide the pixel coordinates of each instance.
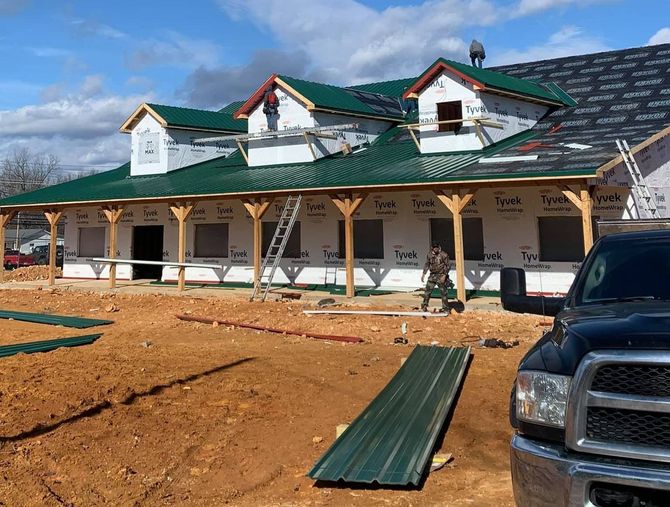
(437, 262)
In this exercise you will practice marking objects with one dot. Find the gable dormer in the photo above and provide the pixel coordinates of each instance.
(313, 120)
(463, 108)
(167, 138)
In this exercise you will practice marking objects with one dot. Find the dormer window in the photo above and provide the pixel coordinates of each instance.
(448, 112)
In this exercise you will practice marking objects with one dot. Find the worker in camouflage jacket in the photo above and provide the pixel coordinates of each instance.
(437, 263)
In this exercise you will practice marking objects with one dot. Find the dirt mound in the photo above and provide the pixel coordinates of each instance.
(30, 273)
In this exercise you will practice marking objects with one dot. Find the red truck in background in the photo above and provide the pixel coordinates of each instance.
(14, 259)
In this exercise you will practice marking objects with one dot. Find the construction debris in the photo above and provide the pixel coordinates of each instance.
(208, 320)
(392, 313)
(495, 343)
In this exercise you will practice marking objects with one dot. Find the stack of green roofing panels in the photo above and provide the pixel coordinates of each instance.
(47, 345)
(54, 320)
(391, 441)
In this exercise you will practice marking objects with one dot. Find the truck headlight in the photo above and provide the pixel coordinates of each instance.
(541, 398)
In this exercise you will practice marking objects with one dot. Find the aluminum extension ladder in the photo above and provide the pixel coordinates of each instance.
(277, 246)
(644, 201)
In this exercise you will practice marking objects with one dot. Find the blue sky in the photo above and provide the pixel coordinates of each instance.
(73, 71)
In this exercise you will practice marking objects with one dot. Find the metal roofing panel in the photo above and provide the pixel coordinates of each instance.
(47, 345)
(339, 99)
(390, 442)
(199, 118)
(55, 320)
(393, 88)
(392, 163)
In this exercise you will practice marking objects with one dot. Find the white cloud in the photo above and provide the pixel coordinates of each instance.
(175, 50)
(568, 41)
(660, 37)
(90, 27)
(79, 128)
(49, 52)
(350, 42)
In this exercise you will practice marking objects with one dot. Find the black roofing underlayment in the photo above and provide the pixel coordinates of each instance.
(620, 94)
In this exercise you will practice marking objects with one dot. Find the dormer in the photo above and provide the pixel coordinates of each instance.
(167, 138)
(463, 108)
(296, 121)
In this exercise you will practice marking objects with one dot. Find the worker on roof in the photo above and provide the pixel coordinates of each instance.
(477, 53)
(437, 263)
(271, 108)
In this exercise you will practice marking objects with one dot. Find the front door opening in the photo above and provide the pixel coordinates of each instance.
(147, 246)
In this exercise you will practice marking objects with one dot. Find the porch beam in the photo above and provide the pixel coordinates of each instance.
(113, 213)
(53, 216)
(5, 218)
(182, 211)
(348, 205)
(583, 200)
(256, 209)
(455, 201)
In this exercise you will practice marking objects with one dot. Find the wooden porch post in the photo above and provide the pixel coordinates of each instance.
(455, 202)
(113, 214)
(584, 203)
(53, 216)
(256, 209)
(181, 212)
(5, 218)
(348, 205)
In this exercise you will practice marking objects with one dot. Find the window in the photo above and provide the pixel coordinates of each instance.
(368, 239)
(561, 239)
(92, 242)
(211, 240)
(449, 111)
(442, 231)
(292, 250)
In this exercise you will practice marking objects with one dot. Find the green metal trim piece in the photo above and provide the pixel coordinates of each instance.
(54, 320)
(47, 345)
(390, 442)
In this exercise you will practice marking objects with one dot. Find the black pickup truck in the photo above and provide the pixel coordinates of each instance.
(591, 402)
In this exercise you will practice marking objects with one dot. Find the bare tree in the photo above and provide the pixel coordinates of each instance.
(24, 171)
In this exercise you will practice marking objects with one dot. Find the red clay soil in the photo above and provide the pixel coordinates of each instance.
(164, 412)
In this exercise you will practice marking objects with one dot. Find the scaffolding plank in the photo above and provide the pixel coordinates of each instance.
(54, 320)
(390, 442)
(47, 345)
(389, 313)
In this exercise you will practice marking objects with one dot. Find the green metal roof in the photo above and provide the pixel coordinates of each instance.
(47, 345)
(199, 119)
(55, 320)
(391, 441)
(388, 163)
(393, 88)
(325, 96)
(232, 107)
(495, 81)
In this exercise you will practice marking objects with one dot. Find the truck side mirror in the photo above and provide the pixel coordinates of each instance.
(514, 299)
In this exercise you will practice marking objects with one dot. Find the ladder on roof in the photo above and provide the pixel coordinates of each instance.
(277, 246)
(644, 201)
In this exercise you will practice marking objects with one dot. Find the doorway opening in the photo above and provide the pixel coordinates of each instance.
(147, 246)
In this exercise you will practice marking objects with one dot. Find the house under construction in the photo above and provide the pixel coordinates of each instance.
(508, 166)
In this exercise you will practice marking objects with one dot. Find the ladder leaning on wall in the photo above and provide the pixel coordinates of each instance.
(277, 246)
(644, 201)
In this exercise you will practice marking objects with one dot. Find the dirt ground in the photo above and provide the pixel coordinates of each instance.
(164, 412)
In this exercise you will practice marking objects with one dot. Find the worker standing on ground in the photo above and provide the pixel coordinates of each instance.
(437, 262)
(477, 53)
